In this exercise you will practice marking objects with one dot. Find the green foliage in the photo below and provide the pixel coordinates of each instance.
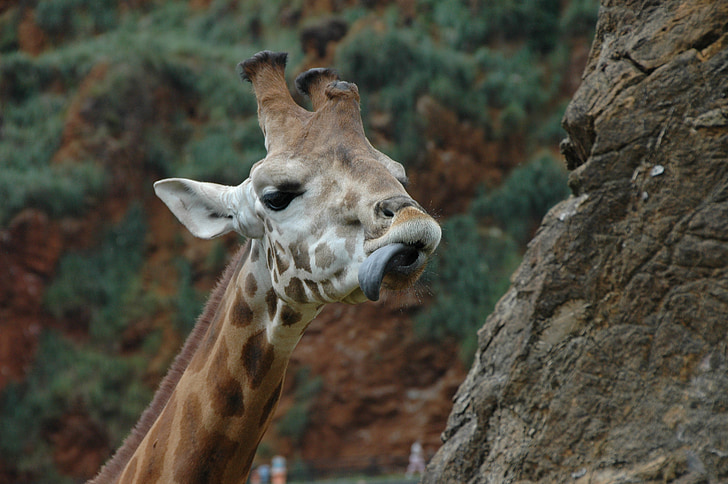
(513, 79)
(109, 288)
(100, 287)
(580, 18)
(217, 258)
(31, 135)
(58, 190)
(293, 424)
(68, 378)
(468, 276)
(21, 76)
(75, 18)
(122, 100)
(525, 197)
(221, 154)
(376, 60)
(300, 470)
(231, 22)
(550, 132)
(472, 268)
(188, 302)
(9, 21)
(469, 24)
(491, 88)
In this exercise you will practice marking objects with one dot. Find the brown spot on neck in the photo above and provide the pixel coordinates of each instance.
(257, 356)
(295, 290)
(203, 455)
(289, 316)
(271, 300)
(241, 314)
(227, 393)
(251, 285)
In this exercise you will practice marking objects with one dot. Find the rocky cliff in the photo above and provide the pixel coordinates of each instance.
(607, 359)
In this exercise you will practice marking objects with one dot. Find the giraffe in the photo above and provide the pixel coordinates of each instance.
(327, 219)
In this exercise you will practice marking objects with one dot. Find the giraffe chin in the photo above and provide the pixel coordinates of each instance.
(400, 263)
(355, 297)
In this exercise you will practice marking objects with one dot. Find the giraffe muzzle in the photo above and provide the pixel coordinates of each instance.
(396, 258)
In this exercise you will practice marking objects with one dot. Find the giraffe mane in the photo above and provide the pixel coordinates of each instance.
(120, 459)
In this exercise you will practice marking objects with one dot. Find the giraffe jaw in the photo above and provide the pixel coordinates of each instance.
(355, 297)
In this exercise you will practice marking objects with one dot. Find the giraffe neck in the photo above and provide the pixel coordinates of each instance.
(215, 417)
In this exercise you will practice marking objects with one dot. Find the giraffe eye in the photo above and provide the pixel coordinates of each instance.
(278, 200)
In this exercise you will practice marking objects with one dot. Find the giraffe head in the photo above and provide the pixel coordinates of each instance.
(330, 212)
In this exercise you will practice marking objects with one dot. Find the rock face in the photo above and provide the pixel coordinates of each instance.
(607, 360)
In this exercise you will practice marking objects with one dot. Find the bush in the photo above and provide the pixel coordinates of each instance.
(579, 18)
(31, 132)
(101, 288)
(469, 274)
(226, 22)
(375, 62)
(188, 302)
(31, 135)
(516, 78)
(66, 377)
(75, 18)
(223, 153)
(109, 286)
(57, 190)
(9, 21)
(21, 76)
(466, 25)
(473, 266)
(550, 132)
(293, 424)
(519, 204)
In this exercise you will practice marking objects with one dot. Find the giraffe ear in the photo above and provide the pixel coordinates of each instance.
(209, 210)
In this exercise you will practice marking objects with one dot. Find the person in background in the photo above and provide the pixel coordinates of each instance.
(254, 477)
(278, 470)
(416, 460)
(264, 474)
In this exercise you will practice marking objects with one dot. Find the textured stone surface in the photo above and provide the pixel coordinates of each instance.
(607, 359)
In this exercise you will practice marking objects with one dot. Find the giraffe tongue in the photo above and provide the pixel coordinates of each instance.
(385, 259)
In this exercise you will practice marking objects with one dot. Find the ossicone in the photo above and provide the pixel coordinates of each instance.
(315, 78)
(250, 67)
(322, 84)
(313, 83)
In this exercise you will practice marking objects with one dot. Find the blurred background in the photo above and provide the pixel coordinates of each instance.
(99, 284)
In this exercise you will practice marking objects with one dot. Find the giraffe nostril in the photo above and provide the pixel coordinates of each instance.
(389, 207)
